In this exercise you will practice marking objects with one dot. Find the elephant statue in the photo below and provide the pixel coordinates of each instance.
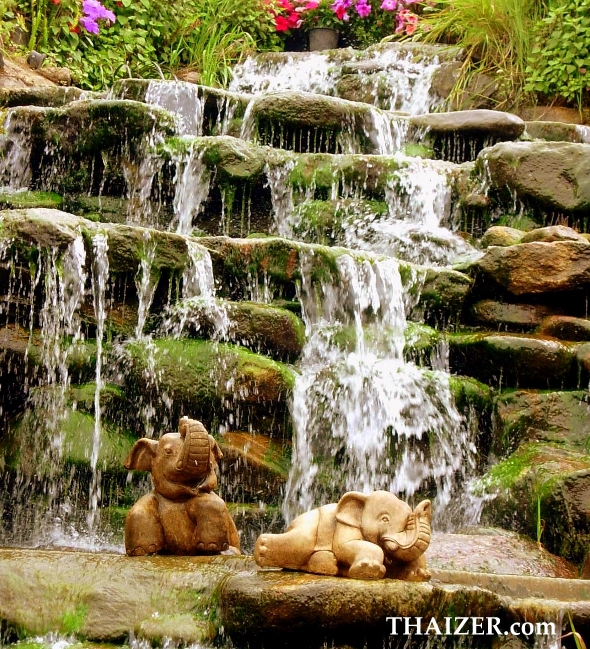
(181, 515)
(363, 536)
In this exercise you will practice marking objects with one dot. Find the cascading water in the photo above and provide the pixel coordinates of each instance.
(395, 78)
(100, 276)
(184, 100)
(192, 181)
(414, 228)
(199, 302)
(144, 283)
(364, 418)
(310, 73)
(15, 153)
(39, 434)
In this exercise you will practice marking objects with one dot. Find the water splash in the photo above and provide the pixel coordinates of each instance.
(365, 419)
(100, 276)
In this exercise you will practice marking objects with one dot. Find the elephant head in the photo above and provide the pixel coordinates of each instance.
(180, 463)
(384, 519)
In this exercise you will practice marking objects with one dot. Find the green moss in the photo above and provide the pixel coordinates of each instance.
(73, 619)
(29, 199)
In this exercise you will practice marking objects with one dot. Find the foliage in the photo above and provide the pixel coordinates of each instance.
(559, 65)
(496, 35)
(147, 35)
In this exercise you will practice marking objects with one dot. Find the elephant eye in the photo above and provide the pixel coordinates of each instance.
(385, 519)
(168, 451)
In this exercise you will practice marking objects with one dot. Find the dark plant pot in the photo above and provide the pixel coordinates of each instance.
(322, 38)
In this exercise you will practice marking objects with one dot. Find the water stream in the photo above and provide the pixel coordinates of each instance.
(365, 418)
(100, 276)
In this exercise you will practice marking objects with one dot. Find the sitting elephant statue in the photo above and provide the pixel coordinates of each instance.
(181, 515)
(362, 536)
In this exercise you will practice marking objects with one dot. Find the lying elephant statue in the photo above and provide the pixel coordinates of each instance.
(362, 536)
(181, 515)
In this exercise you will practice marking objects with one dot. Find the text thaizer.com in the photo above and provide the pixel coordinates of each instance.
(467, 626)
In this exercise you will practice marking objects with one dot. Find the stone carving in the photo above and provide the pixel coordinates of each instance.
(362, 536)
(181, 515)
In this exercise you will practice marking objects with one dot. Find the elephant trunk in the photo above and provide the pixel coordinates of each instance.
(408, 545)
(194, 463)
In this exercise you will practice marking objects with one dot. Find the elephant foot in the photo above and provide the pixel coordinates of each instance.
(212, 547)
(141, 551)
(366, 568)
(322, 562)
(272, 550)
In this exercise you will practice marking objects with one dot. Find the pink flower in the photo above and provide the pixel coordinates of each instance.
(389, 5)
(362, 8)
(312, 4)
(281, 24)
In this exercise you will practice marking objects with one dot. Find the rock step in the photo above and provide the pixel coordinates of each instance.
(515, 360)
(103, 597)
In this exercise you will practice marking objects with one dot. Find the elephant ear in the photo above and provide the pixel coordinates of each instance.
(350, 508)
(217, 454)
(142, 455)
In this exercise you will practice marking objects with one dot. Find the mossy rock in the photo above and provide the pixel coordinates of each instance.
(562, 418)
(232, 158)
(421, 342)
(444, 291)
(321, 171)
(326, 222)
(215, 382)
(513, 360)
(542, 490)
(254, 468)
(76, 430)
(263, 328)
(53, 96)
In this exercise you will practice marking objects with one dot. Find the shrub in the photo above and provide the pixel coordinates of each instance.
(559, 65)
(147, 36)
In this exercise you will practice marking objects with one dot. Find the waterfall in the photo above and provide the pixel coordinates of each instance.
(39, 434)
(394, 77)
(184, 100)
(310, 73)
(198, 293)
(192, 181)
(100, 276)
(144, 283)
(15, 153)
(364, 418)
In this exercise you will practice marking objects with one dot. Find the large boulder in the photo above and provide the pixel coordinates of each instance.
(552, 175)
(543, 491)
(565, 328)
(512, 360)
(509, 316)
(223, 385)
(489, 123)
(538, 267)
(263, 328)
(561, 417)
(501, 235)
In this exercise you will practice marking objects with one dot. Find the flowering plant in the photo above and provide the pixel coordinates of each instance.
(368, 20)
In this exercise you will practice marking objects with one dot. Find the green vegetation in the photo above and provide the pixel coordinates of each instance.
(496, 35)
(559, 65)
(148, 37)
